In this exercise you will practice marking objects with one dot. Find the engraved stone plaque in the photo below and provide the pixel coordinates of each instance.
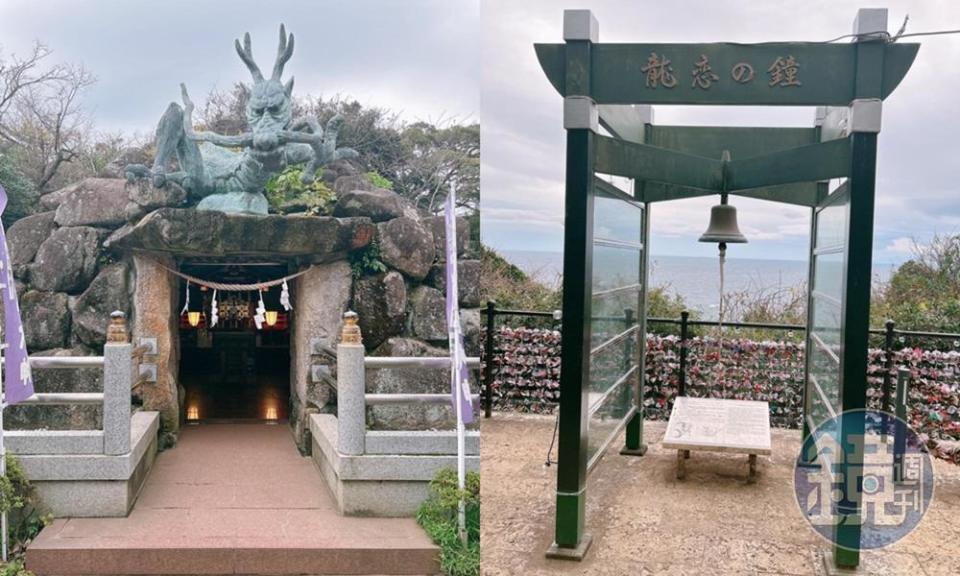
(737, 426)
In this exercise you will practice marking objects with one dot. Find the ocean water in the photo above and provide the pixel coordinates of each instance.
(695, 279)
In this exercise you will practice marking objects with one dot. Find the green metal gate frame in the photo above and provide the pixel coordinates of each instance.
(787, 165)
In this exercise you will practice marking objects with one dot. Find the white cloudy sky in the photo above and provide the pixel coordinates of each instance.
(523, 139)
(416, 57)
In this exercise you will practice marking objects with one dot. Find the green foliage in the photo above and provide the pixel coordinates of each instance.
(438, 516)
(367, 260)
(15, 568)
(288, 188)
(510, 287)
(379, 181)
(924, 293)
(21, 193)
(20, 501)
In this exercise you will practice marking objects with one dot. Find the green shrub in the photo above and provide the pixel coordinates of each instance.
(438, 516)
(288, 187)
(367, 260)
(25, 517)
(14, 568)
(511, 288)
(379, 180)
(22, 196)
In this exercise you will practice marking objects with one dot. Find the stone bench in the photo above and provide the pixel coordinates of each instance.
(716, 425)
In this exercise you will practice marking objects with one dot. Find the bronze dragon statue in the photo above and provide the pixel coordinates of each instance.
(229, 173)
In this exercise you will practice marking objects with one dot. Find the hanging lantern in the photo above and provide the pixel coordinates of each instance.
(193, 318)
(271, 316)
(723, 227)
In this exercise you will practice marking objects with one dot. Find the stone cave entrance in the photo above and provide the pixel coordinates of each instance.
(233, 371)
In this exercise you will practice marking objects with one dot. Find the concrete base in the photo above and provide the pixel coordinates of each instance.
(383, 485)
(95, 485)
(830, 568)
(555, 552)
(638, 452)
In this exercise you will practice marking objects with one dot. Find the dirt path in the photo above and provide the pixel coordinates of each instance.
(645, 522)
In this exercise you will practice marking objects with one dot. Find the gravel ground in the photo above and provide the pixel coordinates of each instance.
(644, 521)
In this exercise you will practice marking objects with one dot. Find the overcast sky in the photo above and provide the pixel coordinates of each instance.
(417, 57)
(523, 139)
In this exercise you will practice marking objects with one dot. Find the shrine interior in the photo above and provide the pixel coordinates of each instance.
(233, 371)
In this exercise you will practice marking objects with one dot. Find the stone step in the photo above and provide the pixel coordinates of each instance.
(53, 555)
(233, 499)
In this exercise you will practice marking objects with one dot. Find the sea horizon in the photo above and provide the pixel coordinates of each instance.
(693, 278)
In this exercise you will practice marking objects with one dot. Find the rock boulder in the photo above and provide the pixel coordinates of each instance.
(46, 320)
(468, 281)
(410, 416)
(67, 260)
(428, 314)
(147, 196)
(378, 205)
(93, 202)
(350, 182)
(407, 245)
(109, 291)
(210, 233)
(381, 303)
(438, 226)
(27, 234)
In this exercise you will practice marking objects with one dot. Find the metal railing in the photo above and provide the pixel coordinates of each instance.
(889, 332)
(352, 397)
(119, 362)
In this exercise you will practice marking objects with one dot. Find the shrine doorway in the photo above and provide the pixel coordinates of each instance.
(233, 370)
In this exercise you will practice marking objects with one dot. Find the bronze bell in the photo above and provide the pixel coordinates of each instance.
(723, 225)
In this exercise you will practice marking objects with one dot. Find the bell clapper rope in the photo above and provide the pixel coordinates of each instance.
(723, 259)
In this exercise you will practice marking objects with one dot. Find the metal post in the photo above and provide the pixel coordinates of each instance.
(808, 457)
(351, 404)
(633, 445)
(888, 364)
(117, 383)
(581, 120)
(900, 430)
(488, 349)
(684, 335)
(866, 109)
(627, 344)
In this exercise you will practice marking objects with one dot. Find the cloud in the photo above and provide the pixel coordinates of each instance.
(417, 57)
(523, 140)
(901, 246)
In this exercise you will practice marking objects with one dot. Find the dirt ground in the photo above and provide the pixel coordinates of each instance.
(644, 521)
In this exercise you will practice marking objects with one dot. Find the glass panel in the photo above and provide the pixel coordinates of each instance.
(614, 267)
(826, 371)
(609, 313)
(608, 416)
(617, 277)
(818, 410)
(618, 220)
(826, 322)
(612, 362)
(828, 274)
(832, 224)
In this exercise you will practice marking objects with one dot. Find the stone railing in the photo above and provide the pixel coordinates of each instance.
(382, 472)
(111, 462)
(119, 361)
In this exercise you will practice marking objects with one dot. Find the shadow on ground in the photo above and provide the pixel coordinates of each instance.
(646, 522)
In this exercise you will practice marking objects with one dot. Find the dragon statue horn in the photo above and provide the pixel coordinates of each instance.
(284, 52)
(246, 54)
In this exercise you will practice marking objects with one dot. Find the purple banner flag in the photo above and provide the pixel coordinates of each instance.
(461, 374)
(18, 382)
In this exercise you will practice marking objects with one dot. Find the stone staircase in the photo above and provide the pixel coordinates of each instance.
(233, 499)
